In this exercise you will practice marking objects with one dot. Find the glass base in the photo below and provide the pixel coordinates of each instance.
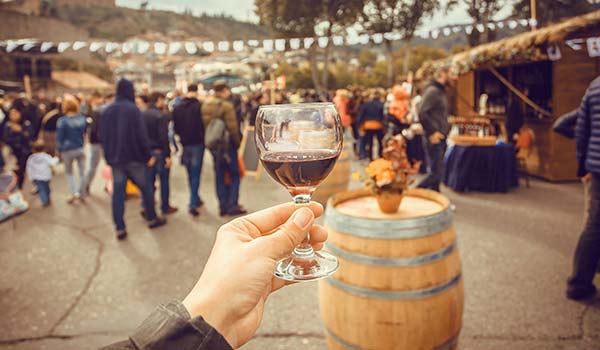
(298, 268)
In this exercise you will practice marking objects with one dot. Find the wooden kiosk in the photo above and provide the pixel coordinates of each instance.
(552, 67)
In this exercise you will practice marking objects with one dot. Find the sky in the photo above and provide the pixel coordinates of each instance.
(244, 10)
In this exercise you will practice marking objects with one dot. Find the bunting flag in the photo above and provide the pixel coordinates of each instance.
(268, 45)
(593, 46)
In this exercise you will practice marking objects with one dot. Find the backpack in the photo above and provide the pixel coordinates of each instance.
(216, 137)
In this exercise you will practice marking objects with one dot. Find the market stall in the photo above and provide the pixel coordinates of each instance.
(523, 83)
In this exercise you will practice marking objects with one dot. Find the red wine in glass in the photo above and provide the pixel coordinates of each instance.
(299, 172)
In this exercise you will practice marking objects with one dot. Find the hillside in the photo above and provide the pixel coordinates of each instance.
(120, 23)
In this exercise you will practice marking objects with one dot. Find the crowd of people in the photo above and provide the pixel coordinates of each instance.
(137, 134)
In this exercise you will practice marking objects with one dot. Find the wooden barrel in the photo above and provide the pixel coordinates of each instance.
(337, 181)
(399, 283)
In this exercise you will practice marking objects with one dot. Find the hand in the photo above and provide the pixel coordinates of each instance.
(586, 178)
(16, 128)
(436, 138)
(151, 162)
(238, 277)
(168, 163)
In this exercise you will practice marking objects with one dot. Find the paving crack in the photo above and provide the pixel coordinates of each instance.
(59, 336)
(87, 285)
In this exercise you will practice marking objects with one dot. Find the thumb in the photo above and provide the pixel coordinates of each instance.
(289, 235)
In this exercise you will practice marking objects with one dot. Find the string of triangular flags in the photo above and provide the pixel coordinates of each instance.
(137, 46)
(592, 45)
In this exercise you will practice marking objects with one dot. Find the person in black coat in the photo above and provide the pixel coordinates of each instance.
(371, 121)
(126, 148)
(187, 124)
(157, 125)
(18, 134)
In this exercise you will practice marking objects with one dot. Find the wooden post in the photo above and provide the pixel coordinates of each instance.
(27, 85)
(272, 78)
(533, 13)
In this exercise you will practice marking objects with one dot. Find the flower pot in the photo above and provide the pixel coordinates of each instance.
(389, 201)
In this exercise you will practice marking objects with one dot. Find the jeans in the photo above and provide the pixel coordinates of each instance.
(163, 173)
(366, 144)
(587, 253)
(192, 158)
(68, 157)
(136, 172)
(227, 162)
(95, 155)
(435, 160)
(43, 188)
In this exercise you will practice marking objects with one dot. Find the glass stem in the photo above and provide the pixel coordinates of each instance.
(304, 249)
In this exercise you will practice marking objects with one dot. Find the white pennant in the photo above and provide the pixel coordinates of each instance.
(377, 38)
(456, 29)
(95, 46)
(388, 36)
(364, 39)
(435, 34)
(160, 48)
(174, 47)
(593, 46)
(63, 46)
(323, 41)
(208, 46)
(338, 40)
(280, 44)
(480, 28)
(554, 52)
(500, 25)
(28, 46)
(575, 44)
(524, 22)
(533, 22)
(110, 47)
(294, 44)
(223, 45)
(469, 29)
(308, 42)
(191, 48)
(491, 26)
(142, 47)
(78, 45)
(268, 45)
(126, 48)
(11, 46)
(447, 31)
(512, 24)
(253, 43)
(46, 45)
(238, 45)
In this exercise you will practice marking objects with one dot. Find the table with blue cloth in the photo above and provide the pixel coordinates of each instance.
(480, 168)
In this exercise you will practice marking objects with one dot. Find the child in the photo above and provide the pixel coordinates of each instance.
(39, 171)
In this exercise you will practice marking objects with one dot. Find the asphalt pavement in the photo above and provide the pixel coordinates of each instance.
(67, 283)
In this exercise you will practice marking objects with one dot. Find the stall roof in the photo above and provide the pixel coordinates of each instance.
(525, 47)
(80, 80)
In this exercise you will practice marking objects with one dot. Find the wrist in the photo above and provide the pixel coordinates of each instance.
(211, 310)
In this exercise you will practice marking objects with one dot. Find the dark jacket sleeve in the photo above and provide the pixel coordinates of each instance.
(170, 327)
(426, 116)
(565, 125)
(233, 126)
(143, 141)
(582, 134)
(163, 135)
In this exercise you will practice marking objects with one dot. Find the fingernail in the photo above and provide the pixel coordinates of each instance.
(302, 217)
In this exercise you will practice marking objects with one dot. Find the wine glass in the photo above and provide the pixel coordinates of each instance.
(298, 145)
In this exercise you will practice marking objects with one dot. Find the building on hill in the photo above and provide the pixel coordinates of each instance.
(45, 7)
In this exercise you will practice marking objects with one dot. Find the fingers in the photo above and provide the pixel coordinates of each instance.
(269, 219)
(296, 228)
(318, 235)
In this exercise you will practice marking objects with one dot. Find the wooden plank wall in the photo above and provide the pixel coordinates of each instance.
(465, 94)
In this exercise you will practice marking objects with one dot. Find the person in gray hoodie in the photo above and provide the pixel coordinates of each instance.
(434, 118)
